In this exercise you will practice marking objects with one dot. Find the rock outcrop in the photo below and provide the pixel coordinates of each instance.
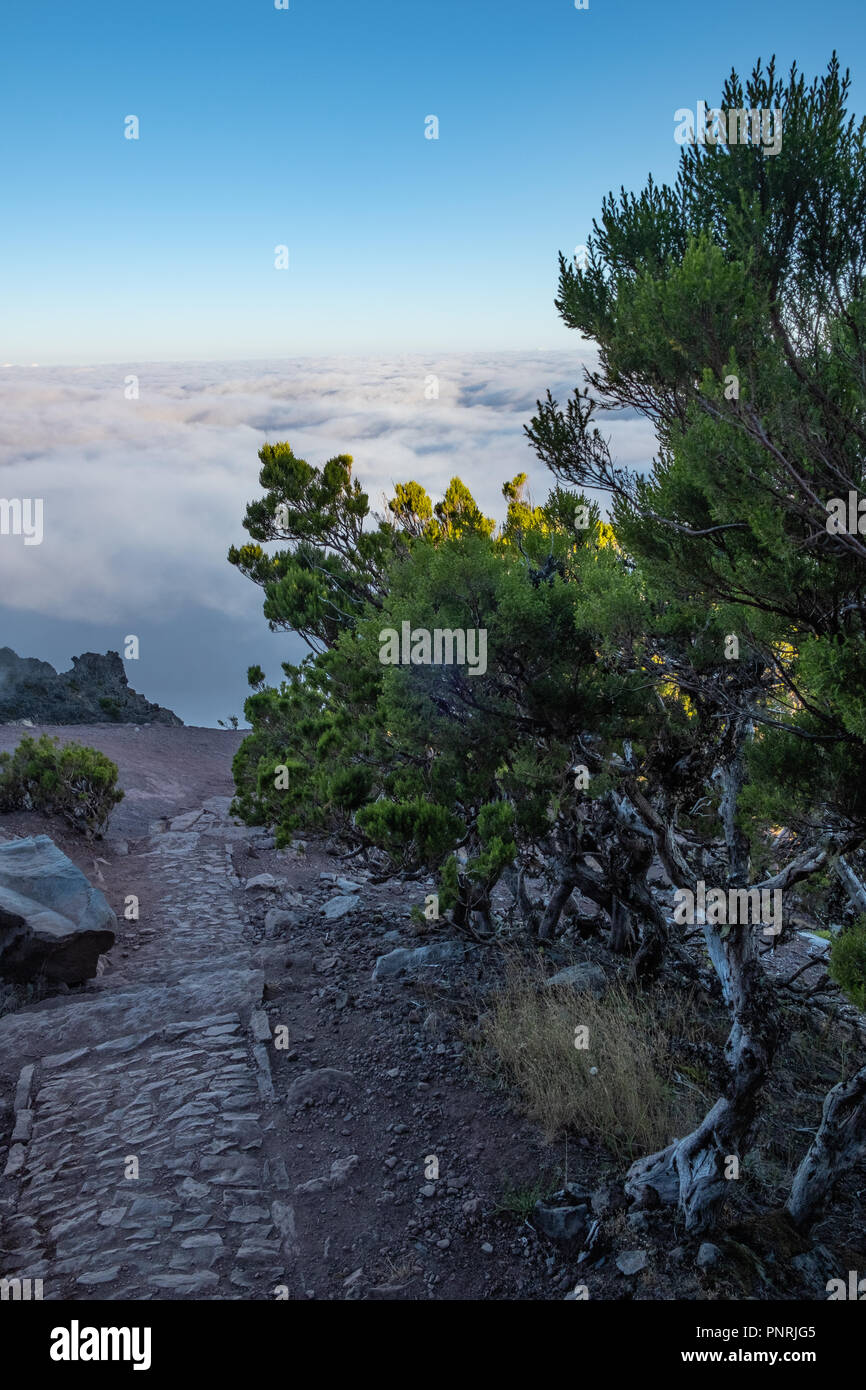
(53, 923)
(95, 691)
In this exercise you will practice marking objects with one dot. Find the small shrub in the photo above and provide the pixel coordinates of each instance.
(848, 962)
(75, 782)
(421, 830)
(520, 1200)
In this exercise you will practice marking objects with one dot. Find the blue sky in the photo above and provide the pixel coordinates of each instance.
(305, 127)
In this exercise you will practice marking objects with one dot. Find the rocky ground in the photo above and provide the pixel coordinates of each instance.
(244, 1104)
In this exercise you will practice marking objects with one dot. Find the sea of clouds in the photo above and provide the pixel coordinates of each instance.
(142, 497)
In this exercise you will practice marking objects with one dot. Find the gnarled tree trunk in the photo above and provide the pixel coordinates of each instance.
(839, 1143)
(692, 1171)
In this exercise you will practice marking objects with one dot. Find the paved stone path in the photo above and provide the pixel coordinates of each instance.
(143, 1162)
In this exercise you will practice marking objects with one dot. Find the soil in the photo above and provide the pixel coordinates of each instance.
(408, 1171)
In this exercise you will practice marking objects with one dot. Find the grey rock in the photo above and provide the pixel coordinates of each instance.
(404, 961)
(709, 1256)
(607, 1200)
(261, 1029)
(112, 1216)
(563, 1217)
(817, 1267)
(819, 942)
(52, 921)
(311, 1188)
(192, 1223)
(278, 921)
(15, 1161)
(64, 1059)
(263, 1074)
(23, 1127)
(631, 1261)
(259, 1251)
(234, 1172)
(98, 1276)
(339, 907)
(584, 976)
(185, 1283)
(342, 1168)
(264, 882)
(316, 1085)
(284, 1219)
(247, 1214)
(22, 1090)
(202, 1251)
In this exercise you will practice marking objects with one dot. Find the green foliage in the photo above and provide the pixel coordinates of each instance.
(848, 962)
(75, 782)
(606, 642)
(418, 831)
(750, 268)
(520, 1199)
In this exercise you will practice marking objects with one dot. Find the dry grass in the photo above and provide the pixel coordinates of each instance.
(633, 1102)
(807, 1064)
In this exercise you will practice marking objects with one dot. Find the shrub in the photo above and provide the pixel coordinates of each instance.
(75, 782)
(422, 830)
(848, 962)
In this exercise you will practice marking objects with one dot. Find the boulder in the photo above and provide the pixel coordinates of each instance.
(405, 961)
(265, 883)
(584, 976)
(53, 922)
(318, 1085)
(338, 907)
(278, 921)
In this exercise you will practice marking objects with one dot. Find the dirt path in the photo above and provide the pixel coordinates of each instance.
(234, 1109)
(162, 770)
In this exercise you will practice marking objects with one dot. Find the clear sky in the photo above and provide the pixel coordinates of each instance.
(305, 128)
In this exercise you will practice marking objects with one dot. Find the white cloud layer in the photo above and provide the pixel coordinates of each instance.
(143, 497)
